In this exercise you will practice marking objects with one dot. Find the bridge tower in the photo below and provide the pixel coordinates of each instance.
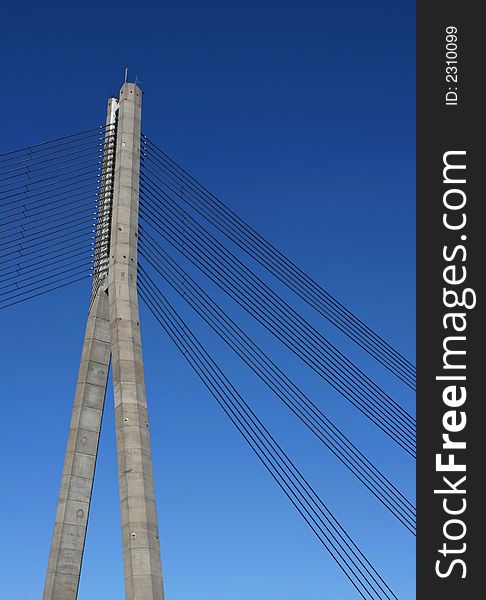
(112, 335)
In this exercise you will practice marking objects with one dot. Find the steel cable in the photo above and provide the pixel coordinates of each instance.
(284, 388)
(344, 551)
(211, 274)
(217, 213)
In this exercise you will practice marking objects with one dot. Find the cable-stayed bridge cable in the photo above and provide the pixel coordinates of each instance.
(50, 285)
(20, 203)
(60, 245)
(190, 190)
(47, 263)
(30, 217)
(344, 551)
(29, 170)
(31, 234)
(49, 205)
(215, 211)
(26, 153)
(35, 280)
(276, 380)
(231, 287)
(51, 181)
(194, 229)
(180, 240)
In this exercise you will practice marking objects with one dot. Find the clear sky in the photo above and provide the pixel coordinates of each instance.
(301, 116)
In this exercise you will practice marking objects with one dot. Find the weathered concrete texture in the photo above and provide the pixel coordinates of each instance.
(141, 551)
(79, 464)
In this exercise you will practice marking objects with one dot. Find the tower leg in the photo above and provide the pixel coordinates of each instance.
(71, 520)
(141, 550)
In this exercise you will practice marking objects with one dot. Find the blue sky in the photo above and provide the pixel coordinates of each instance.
(301, 116)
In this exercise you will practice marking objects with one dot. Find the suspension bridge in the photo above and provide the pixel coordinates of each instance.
(110, 204)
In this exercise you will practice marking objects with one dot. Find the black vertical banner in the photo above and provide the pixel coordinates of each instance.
(451, 238)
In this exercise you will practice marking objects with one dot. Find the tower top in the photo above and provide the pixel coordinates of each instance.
(130, 91)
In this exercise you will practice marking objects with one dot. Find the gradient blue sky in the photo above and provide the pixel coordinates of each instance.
(301, 116)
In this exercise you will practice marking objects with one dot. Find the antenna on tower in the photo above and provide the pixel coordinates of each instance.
(126, 74)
